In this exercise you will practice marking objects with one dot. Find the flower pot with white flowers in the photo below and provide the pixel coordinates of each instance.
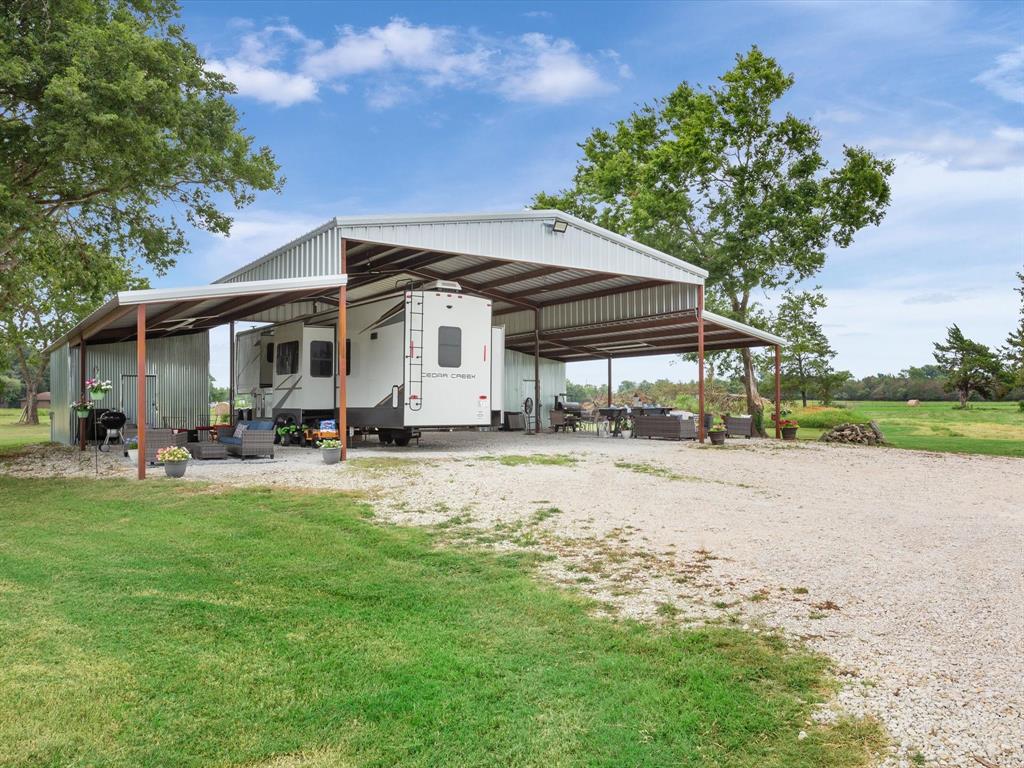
(98, 388)
(175, 460)
(82, 408)
(330, 451)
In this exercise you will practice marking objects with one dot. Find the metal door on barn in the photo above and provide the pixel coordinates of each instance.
(129, 398)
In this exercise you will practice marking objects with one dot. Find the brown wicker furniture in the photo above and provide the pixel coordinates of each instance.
(156, 439)
(665, 427)
(256, 440)
(207, 450)
(739, 426)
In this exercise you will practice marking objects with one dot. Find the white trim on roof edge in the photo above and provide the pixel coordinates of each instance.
(750, 330)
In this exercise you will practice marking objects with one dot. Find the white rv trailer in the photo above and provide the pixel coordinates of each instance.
(416, 359)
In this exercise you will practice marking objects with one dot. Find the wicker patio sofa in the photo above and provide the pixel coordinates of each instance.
(665, 427)
(257, 439)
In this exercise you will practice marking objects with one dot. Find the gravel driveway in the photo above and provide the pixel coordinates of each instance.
(906, 568)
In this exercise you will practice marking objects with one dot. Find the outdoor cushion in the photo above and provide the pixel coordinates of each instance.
(260, 425)
(230, 440)
(239, 429)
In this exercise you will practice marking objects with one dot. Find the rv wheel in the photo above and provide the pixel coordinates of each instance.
(386, 436)
(402, 439)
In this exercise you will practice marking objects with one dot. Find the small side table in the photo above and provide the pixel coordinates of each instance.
(207, 450)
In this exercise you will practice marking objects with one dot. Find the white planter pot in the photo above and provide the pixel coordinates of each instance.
(331, 455)
(133, 456)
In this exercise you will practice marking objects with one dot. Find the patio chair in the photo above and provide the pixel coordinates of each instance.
(257, 439)
(156, 439)
(739, 426)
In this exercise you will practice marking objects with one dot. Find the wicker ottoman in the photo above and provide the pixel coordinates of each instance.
(207, 450)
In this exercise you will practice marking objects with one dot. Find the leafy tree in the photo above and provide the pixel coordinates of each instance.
(218, 394)
(711, 176)
(829, 382)
(10, 389)
(108, 118)
(1013, 352)
(969, 366)
(53, 285)
(807, 357)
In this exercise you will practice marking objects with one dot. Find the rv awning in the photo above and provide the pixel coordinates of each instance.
(178, 311)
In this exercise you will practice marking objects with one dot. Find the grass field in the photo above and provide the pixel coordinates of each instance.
(990, 428)
(172, 625)
(15, 435)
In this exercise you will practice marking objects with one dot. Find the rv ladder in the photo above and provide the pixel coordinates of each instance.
(415, 354)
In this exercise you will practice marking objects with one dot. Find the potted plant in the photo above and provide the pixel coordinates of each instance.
(175, 460)
(98, 389)
(330, 451)
(717, 432)
(131, 449)
(82, 407)
(789, 428)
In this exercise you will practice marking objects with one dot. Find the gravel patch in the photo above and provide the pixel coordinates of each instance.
(905, 567)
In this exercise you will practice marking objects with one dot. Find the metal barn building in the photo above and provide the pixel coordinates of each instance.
(563, 288)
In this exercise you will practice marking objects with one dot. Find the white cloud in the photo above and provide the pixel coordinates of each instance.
(253, 233)
(397, 60)
(272, 86)
(551, 71)
(1006, 78)
(999, 147)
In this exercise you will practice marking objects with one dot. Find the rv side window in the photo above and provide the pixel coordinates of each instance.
(321, 359)
(270, 351)
(287, 358)
(449, 346)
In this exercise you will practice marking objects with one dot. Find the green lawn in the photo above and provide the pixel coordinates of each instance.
(15, 435)
(991, 428)
(173, 625)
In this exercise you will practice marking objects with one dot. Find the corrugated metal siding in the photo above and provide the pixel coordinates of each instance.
(60, 402)
(519, 381)
(658, 300)
(312, 255)
(180, 363)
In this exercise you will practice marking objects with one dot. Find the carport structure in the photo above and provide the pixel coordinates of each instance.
(564, 289)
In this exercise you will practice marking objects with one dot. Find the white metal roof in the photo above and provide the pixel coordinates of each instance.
(195, 308)
(516, 236)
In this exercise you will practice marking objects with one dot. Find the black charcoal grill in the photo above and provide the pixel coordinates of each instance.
(568, 407)
(113, 422)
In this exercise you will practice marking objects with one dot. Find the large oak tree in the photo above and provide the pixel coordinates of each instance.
(112, 135)
(717, 177)
(106, 113)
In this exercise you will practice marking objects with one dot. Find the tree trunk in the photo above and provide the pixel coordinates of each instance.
(31, 413)
(964, 394)
(803, 396)
(750, 389)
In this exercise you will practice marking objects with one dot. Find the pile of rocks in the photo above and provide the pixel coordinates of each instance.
(861, 434)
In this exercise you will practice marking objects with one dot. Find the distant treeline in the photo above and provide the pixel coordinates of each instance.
(926, 382)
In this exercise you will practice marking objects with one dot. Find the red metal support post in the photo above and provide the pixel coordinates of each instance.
(536, 371)
(140, 385)
(778, 391)
(700, 363)
(342, 355)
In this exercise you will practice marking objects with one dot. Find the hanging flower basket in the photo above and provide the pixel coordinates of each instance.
(82, 408)
(98, 388)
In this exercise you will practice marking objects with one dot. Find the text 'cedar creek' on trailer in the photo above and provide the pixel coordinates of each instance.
(415, 359)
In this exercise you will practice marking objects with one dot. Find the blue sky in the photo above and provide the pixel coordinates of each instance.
(432, 107)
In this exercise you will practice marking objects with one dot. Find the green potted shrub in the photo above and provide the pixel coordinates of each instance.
(717, 432)
(789, 428)
(175, 460)
(330, 451)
